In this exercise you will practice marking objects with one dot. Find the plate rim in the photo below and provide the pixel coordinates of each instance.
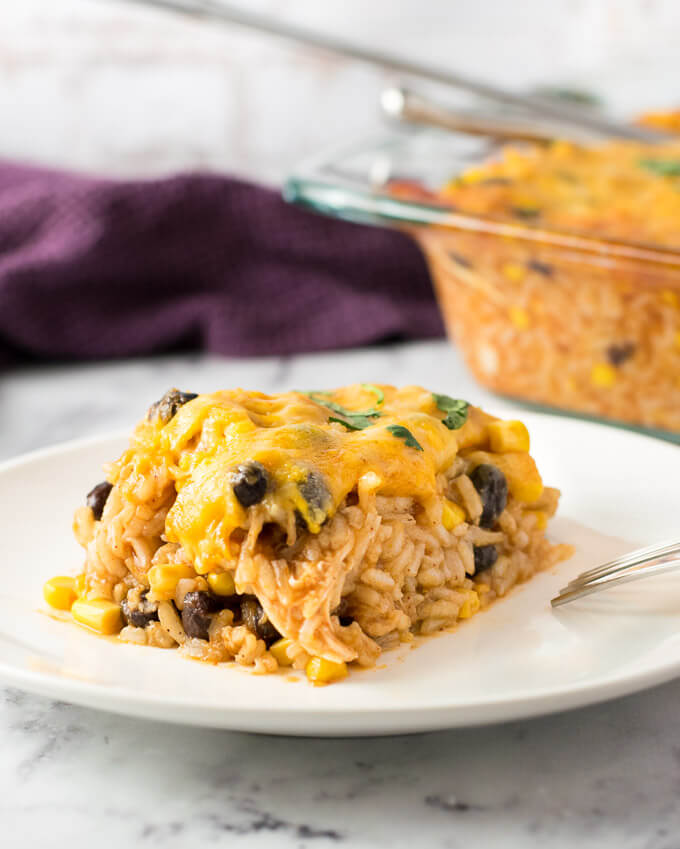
(295, 721)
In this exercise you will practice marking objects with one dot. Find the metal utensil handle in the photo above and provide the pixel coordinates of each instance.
(405, 105)
(227, 13)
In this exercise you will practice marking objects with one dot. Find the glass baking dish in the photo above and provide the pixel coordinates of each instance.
(559, 319)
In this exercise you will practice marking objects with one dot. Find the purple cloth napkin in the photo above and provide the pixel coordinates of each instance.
(94, 268)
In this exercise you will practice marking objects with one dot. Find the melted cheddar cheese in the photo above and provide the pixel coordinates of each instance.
(293, 438)
(620, 190)
(276, 504)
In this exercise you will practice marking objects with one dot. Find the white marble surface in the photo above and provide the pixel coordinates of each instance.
(605, 777)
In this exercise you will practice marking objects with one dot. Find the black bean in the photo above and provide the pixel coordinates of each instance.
(196, 612)
(317, 495)
(492, 487)
(526, 213)
(249, 482)
(460, 259)
(540, 267)
(255, 619)
(300, 523)
(342, 607)
(96, 498)
(485, 557)
(164, 409)
(618, 354)
(342, 612)
(142, 615)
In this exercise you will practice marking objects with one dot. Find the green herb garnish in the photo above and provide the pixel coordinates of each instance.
(404, 433)
(379, 394)
(351, 419)
(661, 167)
(353, 423)
(455, 409)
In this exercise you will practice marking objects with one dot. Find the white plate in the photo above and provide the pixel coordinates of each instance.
(517, 659)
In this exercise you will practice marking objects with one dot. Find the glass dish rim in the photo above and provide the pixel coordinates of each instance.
(318, 184)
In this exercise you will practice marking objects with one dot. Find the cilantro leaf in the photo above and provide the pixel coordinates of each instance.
(404, 433)
(354, 423)
(377, 391)
(661, 167)
(351, 419)
(455, 409)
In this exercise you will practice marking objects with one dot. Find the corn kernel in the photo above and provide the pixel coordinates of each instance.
(482, 588)
(541, 520)
(452, 515)
(524, 479)
(99, 614)
(561, 149)
(508, 436)
(163, 579)
(603, 375)
(524, 201)
(470, 606)
(514, 271)
(60, 592)
(221, 583)
(474, 175)
(671, 298)
(519, 468)
(519, 317)
(525, 489)
(465, 611)
(319, 670)
(280, 651)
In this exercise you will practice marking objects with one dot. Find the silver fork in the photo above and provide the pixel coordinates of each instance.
(652, 560)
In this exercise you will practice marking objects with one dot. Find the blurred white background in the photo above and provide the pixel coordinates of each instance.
(112, 87)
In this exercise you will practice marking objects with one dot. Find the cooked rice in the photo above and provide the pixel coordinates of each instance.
(399, 574)
(596, 336)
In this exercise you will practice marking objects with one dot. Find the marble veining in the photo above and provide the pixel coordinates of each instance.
(605, 776)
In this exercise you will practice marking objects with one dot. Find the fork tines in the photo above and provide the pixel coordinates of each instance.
(642, 563)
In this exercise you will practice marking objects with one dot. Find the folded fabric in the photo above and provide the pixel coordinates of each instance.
(93, 268)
